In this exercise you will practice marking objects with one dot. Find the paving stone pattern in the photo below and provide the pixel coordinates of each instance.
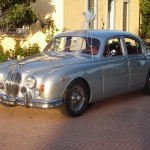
(118, 123)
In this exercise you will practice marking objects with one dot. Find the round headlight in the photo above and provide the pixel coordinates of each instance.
(1, 76)
(31, 82)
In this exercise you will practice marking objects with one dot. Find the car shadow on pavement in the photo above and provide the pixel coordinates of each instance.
(117, 100)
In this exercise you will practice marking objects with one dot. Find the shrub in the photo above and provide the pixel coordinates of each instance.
(20, 52)
(145, 18)
(25, 52)
(32, 49)
(3, 57)
(17, 52)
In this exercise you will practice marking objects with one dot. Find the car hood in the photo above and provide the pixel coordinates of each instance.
(47, 60)
(8, 63)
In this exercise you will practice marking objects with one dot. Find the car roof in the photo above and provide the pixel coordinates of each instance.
(96, 33)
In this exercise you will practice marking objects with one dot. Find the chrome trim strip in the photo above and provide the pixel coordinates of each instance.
(32, 103)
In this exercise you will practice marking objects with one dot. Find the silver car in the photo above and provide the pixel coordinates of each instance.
(75, 69)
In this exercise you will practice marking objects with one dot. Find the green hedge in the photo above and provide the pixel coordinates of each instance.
(3, 57)
(25, 52)
(145, 18)
(20, 52)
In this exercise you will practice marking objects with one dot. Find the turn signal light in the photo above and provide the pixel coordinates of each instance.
(42, 88)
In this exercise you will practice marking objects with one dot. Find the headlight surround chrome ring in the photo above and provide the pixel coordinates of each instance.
(31, 82)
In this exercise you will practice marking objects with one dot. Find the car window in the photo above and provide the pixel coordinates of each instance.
(86, 45)
(132, 46)
(77, 43)
(58, 44)
(112, 48)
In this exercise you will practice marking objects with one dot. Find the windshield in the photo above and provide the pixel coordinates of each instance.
(86, 45)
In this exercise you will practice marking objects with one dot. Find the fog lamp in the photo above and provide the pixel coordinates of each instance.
(23, 90)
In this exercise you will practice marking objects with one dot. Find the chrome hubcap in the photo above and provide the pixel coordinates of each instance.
(77, 98)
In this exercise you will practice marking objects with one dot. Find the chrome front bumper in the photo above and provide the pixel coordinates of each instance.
(27, 101)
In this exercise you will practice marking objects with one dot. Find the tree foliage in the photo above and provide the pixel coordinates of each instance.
(16, 13)
(49, 28)
(145, 16)
(6, 4)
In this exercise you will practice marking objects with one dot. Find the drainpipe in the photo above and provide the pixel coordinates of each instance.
(96, 12)
(87, 4)
(139, 21)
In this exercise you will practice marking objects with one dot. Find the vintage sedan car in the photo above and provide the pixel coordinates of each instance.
(75, 69)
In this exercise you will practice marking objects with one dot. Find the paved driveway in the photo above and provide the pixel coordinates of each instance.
(118, 123)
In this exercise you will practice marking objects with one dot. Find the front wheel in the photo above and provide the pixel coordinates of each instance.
(76, 98)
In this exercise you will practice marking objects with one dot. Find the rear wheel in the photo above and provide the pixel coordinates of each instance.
(76, 98)
(146, 89)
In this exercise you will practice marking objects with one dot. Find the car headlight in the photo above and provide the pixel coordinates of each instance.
(1, 76)
(31, 82)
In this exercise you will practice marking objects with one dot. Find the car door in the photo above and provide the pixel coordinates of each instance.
(138, 64)
(114, 67)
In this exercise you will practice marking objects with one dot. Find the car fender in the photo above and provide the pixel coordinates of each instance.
(57, 80)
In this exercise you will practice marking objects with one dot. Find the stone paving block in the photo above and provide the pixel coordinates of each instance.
(118, 123)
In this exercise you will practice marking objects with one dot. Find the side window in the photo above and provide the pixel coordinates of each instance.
(132, 46)
(112, 48)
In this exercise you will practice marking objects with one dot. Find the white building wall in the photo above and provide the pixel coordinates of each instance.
(58, 14)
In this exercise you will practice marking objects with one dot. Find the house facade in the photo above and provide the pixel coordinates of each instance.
(109, 14)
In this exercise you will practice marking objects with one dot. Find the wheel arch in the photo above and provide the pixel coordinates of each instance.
(82, 80)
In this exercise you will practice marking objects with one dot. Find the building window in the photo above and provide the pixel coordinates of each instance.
(125, 16)
(111, 14)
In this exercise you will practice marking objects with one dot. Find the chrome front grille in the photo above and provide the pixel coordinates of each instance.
(12, 83)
